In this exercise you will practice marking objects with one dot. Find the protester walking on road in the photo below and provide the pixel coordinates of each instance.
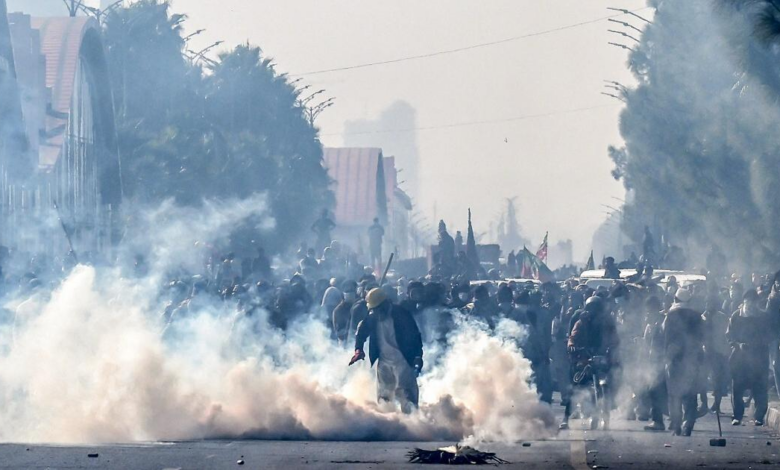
(748, 334)
(683, 352)
(395, 345)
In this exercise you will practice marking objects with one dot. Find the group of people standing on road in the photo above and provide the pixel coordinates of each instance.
(644, 346)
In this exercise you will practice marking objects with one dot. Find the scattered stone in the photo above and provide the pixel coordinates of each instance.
(240, 461)
(768, 443)
(593, 452)
(667, 445)
(93, 456)
(526, 444)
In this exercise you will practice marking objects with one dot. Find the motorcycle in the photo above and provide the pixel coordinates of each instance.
(595, 374)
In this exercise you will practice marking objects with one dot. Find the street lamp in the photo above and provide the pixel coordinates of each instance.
(74, 6)
(312, 112)
(624, 35)
(629, 12)
(626, 25)
(200, 55)
(190, 36)
(622, 46)
(617, 84)
(613, 96)
(305, 101)
(621, 91)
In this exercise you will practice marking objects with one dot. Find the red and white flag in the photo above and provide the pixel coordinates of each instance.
(541, 253)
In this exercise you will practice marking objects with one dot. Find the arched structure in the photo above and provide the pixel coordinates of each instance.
(13, 142)
(68, 110)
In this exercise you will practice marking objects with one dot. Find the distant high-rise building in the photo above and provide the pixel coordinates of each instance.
(393, 131)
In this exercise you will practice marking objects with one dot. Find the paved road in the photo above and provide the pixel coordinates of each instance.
(625, 446)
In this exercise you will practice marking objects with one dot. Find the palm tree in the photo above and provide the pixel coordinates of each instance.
(767, 12)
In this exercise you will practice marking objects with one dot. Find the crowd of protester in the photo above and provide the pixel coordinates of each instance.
(666, 346)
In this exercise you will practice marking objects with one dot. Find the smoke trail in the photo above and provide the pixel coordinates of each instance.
(89, 363)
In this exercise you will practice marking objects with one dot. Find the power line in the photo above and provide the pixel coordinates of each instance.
(466, 48)
(473, 123)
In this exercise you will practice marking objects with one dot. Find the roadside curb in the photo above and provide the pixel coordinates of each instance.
(773, 417)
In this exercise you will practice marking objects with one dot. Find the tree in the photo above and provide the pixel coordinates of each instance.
(766, 15)
(700, 129)
(232, 130)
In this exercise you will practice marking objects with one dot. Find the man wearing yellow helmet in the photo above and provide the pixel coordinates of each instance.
(395, 344)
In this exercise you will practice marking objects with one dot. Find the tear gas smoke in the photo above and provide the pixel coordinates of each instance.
(86, 361)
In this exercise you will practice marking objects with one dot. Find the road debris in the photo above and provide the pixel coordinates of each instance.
(454, 455)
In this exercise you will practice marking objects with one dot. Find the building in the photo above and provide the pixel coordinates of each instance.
(69, 166)
(365, 183)
(13, 140)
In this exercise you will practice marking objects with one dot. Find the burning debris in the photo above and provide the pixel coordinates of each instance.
(454, 455)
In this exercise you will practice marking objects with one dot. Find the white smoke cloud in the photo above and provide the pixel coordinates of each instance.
(88, 363)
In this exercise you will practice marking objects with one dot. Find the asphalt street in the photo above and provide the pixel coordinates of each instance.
(626, 445)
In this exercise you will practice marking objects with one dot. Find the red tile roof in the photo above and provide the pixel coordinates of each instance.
(354, 171)
(61, 40)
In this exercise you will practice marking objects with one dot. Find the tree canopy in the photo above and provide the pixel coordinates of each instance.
(702, 148)
(192, 128)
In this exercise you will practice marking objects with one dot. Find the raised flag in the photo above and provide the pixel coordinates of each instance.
(471, 244)
(591, 265)
(541, 253)
(531, 267)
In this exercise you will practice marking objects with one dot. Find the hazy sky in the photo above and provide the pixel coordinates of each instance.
(557, 165)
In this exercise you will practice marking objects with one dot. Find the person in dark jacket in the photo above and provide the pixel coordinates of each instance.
(749, 335)
(611, 270)
(359, 310)
(484, 307)
(342, 314)
(376, 234)
(717, 349)
(654, 349)
(594, 334)
(395, 344)
(683, 333)
(773, 311)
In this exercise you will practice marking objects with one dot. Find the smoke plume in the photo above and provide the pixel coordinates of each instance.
(700, 131)
(86, 360)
